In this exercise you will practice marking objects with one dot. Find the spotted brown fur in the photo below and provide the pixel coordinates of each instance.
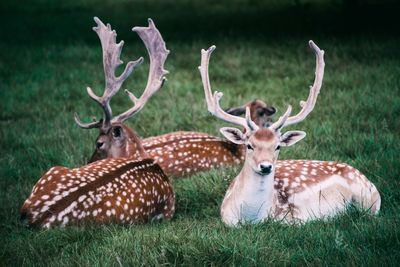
(112, 190)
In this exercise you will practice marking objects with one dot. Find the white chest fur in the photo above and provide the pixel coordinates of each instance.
(249, 200)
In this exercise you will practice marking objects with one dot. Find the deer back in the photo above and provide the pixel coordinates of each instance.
(184, 153)
(113, 190)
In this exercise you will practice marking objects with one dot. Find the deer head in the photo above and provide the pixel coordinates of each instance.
(263, 144)
(260, 112)
(116, 139)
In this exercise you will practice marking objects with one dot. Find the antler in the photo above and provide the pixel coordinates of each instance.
(111, 60)
(213, 100)
(158, 54)
(308, 106)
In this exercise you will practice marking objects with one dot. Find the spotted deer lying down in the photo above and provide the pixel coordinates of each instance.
(120, 190)
(288, 190)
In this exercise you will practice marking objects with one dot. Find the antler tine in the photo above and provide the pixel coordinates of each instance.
(213, 105)
(308, 106)
(158, 54)
(111, 60)
(89, 125)
(282, 120)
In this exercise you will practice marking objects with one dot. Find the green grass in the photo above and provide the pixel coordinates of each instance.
(49, 55)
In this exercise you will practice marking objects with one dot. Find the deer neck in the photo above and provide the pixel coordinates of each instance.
(251, 198)
(256, 188)
(134, 147)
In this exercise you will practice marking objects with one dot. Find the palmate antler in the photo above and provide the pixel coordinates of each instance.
(111, 60)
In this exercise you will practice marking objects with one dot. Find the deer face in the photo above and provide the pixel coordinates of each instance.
(262, 146)
(115, 142)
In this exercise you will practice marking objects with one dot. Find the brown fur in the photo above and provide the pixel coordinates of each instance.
(185, 153)
(264, 134)
(114, 190)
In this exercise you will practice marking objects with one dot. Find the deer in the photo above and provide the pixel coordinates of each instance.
(113, 190)
(179, 153)
(120, 191)
(291, 191)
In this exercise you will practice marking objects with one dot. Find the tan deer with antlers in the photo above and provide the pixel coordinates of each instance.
(290, 190)
(111, 190)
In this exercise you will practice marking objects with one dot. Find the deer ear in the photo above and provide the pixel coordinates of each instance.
(292, 137)
(237, 111)
(117, 132)
(234, 135)
(270, 111)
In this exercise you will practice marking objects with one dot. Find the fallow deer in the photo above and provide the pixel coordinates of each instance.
(122, 191)
(178, 153)
(116, 139)
(288, 190)
(117, 190)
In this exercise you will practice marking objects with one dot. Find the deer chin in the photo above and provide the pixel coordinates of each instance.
(264, 173)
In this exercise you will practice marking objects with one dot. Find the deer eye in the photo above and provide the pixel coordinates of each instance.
(116, 132)
(278, 147)
(250, 147)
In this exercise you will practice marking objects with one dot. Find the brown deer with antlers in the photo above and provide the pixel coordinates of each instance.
(178, 153)
(118, 190)
(289, 190)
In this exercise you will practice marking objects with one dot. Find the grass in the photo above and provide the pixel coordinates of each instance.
(49, 55)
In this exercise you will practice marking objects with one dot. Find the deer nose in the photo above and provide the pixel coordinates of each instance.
(265, 168)
(99, 144)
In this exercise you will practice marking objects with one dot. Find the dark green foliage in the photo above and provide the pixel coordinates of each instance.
(49, 54)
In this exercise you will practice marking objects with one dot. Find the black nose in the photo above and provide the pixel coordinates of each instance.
(265, 169)
(99, 144)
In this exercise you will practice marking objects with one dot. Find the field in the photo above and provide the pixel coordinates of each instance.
(49, 54)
